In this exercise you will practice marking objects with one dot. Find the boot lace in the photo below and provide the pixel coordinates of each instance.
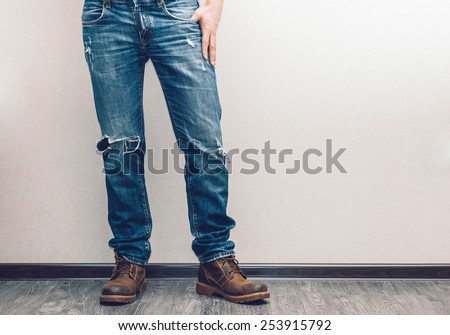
(122, 267)
(234, 265)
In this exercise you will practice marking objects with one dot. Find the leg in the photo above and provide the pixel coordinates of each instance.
(190, 90)
(189, 85)
(116, 63)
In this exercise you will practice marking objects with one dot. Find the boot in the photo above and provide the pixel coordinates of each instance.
(127, 279)
(224, 277)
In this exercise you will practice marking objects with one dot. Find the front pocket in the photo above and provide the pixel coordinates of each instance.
(180, 13)
(93, 12)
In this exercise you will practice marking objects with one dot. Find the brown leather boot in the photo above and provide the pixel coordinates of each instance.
(127, 279)
(224, 277)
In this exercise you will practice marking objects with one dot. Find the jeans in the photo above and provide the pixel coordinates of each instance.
(119, 37)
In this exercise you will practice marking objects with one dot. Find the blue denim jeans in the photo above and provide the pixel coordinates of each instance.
(119, 37)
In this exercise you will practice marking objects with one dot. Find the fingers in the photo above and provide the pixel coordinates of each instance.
(205, 44)
(212, 49)
(209, 47)
(195, 16)
(209, 29)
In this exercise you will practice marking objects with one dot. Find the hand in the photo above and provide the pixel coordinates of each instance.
(209, 17)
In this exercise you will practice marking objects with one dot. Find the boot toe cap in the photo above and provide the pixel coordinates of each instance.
(259, 287)
(117, 290)
(254, 287)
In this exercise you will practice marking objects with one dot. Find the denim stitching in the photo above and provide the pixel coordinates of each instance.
(177, 135)
(133, 260)
(188, 183)
(168, 14)
(141, 178)
(194, 214)
(146, 213)
(102, 16)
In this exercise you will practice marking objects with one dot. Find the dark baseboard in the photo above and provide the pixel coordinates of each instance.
(22, 271)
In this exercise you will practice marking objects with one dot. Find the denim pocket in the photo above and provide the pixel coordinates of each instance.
(180, 13)
(93, 12)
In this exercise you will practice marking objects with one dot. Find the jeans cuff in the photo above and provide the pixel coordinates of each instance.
(217, 256)
(133, 260)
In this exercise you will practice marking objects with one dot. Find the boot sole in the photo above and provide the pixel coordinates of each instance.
(124, 299)
(208, 290)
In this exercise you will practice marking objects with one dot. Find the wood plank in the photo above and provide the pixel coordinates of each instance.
(81, 297)
(30, 302)
(169, 297)
(11, 291)
(178, 297)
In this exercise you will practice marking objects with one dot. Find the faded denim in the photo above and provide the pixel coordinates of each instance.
(119, 38)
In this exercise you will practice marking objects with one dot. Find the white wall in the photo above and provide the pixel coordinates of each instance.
(374, 76)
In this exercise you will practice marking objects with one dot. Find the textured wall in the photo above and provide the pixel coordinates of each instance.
(373, 76)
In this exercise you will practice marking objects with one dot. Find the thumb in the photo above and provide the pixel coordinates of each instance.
(196, 16)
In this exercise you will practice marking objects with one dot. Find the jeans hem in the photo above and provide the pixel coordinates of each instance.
(133, 260)
(213, 258)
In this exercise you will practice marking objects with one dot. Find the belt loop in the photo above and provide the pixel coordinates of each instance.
(107, 3)
(159, 3)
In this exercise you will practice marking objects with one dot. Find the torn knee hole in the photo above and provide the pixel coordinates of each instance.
(130, 144)
(222, 154)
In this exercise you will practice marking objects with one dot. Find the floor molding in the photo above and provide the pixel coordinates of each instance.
(22, 271)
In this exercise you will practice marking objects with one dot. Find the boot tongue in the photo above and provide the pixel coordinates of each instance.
(122, 265)
(232, 267)
(122, 269)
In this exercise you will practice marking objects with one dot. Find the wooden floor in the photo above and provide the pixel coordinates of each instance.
(179, 297)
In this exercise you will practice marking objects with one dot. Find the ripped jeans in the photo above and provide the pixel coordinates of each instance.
(119, 37)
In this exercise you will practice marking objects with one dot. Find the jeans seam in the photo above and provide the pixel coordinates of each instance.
(188, 182)
(146, 212)
(133, 260)
(141, 177)
(170, 15)
(194, 214)
(93, 22)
